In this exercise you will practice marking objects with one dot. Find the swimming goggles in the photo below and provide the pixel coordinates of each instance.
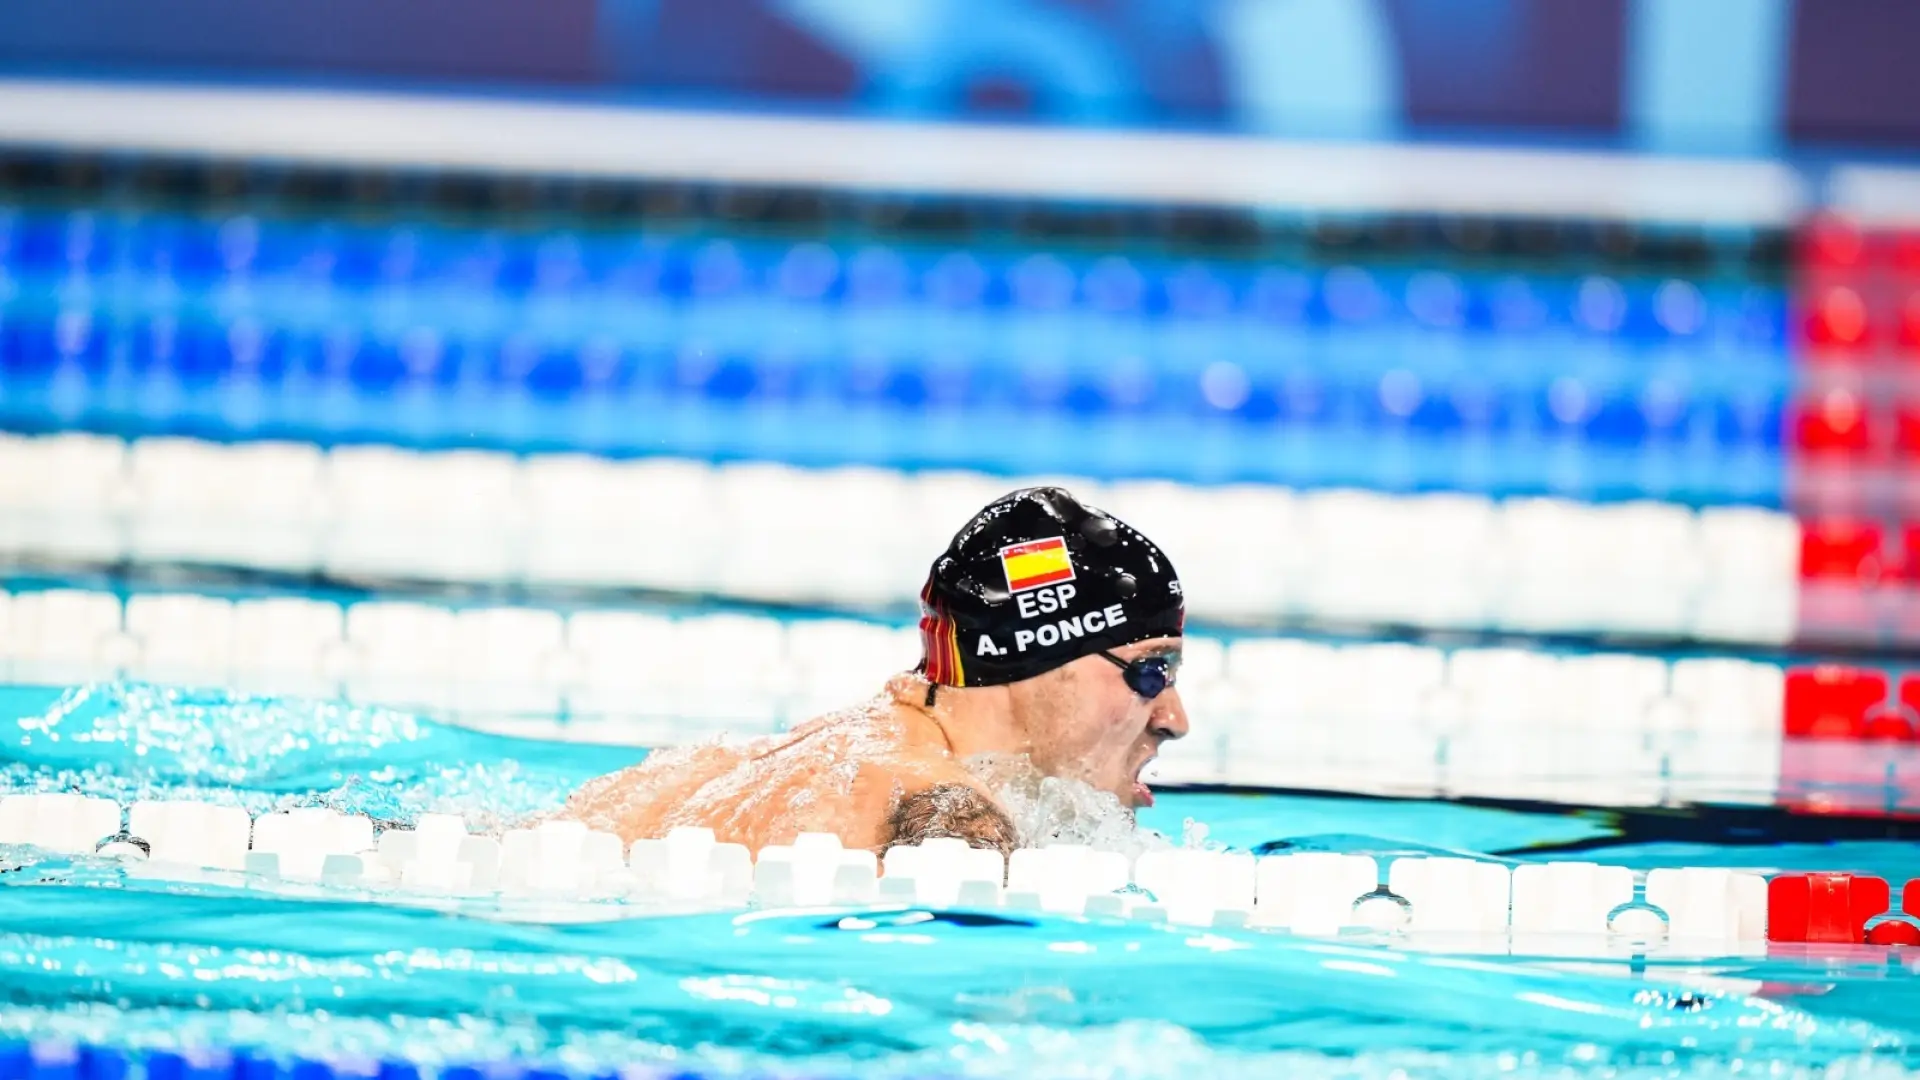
(1149, 676)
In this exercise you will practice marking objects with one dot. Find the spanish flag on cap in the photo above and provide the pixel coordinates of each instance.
(1036, 563)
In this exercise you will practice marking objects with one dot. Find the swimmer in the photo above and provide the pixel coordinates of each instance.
(1048, 630)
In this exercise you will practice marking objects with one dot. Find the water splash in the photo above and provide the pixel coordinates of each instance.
(130, 741)
(1057, 810)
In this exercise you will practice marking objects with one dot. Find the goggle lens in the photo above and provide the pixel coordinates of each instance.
(1147, 676)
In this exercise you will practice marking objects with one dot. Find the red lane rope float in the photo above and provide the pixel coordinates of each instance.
(1823, 908)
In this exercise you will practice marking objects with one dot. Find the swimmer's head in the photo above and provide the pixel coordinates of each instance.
(1079, 616)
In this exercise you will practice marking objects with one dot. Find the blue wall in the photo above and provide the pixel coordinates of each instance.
(1742, 76)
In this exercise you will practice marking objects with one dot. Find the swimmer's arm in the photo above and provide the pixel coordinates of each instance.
(951, 810)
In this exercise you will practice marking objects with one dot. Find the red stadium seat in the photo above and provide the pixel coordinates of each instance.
(1899, 606)
(1910, 693)
(1908, 435)
(1833, 701)
(1824, 908)
(1842, 549)
(1906, 562)
(1905, 252)
(1837, 318)
(1832, 242)
(1909, 328)
(1833, 423)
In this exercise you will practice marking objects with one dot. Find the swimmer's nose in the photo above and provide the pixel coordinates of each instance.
(1169, 717)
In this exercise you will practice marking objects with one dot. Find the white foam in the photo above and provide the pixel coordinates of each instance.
(1059, 810)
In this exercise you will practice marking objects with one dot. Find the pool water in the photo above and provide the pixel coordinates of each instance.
(90, 950)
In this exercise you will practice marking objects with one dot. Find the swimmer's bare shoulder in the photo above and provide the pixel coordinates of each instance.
(636, 801)
(860, 776)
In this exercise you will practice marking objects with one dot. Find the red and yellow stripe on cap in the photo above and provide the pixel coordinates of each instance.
(939, 642)
(1036, 563)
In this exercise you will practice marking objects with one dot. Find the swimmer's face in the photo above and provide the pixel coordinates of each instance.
(1085, 723)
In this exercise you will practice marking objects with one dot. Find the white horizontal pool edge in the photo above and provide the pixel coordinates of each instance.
(531, 137)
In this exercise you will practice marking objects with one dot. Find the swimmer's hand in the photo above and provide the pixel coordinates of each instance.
(954, 810)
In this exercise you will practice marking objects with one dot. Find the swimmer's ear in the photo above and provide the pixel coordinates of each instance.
(954, 810)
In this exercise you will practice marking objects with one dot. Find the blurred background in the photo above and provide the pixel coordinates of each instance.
(1527, 390)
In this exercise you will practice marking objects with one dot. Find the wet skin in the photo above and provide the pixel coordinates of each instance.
(844, 773)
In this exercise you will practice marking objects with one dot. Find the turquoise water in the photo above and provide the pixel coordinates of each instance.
(87, 951)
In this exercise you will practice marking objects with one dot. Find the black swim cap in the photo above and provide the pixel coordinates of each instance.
(1035, 580)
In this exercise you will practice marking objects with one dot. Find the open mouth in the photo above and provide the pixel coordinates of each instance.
(1142, 794)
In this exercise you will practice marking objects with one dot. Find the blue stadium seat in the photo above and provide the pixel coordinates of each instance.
(809, 273)
(1750, 420)
(36, 343)
(1353, 296)
(958, 279)
(377, 367)
(730, 378)
(65, 244)
(1616, 419)
(1200, 292)
(1042, 283)
(877, 275)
